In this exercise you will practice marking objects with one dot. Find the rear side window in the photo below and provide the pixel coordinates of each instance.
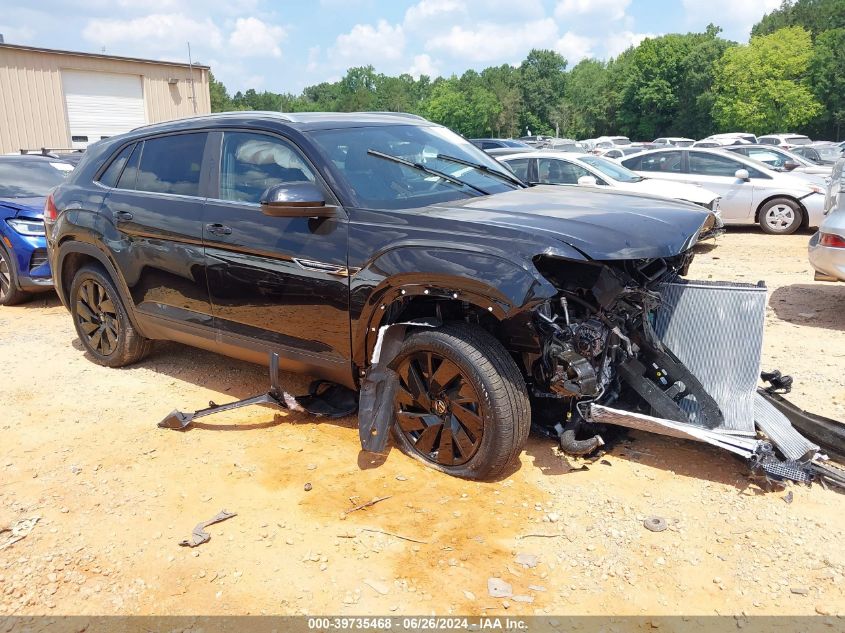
(171, 164)
(519, 166)
(130, 172)
(767, 141)
(663, 162)
(112, 173)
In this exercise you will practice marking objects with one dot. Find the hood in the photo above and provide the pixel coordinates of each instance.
(676, 190)
(24, 207)
(601, 224)
(818, 170)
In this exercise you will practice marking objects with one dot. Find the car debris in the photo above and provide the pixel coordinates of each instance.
(199, 535)
(18, 531)
(365, 505)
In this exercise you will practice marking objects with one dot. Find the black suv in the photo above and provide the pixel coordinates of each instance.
(307, 234)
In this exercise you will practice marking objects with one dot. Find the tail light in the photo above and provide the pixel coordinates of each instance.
(51, 213)
(831, 240)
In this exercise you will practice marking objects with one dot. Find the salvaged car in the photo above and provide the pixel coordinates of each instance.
(310, 238)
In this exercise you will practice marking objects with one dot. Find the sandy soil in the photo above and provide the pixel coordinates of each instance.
(80, 449)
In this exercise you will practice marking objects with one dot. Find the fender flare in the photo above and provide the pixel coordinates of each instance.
(73, 247)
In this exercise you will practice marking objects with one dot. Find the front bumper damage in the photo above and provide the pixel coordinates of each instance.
(647, 350)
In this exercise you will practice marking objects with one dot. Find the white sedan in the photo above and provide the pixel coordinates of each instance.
(559, 168)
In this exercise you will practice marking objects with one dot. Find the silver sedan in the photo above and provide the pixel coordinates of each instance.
(827, 246)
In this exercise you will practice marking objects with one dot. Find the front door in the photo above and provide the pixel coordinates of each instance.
(280, 282)
(718, 174)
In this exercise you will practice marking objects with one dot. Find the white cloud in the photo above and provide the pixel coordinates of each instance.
(254, 38)
(423, 65)
(617, 43)
(575, 47)
(368, 44)
(17, 34)
(428, 13)
(603, 9)
(157, 32)
(492, 41)
(736, 17)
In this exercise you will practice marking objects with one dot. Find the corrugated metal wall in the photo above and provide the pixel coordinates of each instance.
(32, 105)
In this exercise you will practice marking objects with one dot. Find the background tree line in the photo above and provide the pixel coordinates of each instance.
(789, 77)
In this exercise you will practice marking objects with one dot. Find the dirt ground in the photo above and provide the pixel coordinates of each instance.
(115, 495)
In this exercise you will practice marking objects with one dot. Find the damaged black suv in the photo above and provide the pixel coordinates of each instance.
(307, 235)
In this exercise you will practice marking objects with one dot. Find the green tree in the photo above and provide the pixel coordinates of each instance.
(471, 112)
(220, 99)
(814, 15)
(827, 78)
(586, 103)
(542, 82)
(761, 87)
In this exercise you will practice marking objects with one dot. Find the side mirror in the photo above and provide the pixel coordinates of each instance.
(588, 181)
(790, 165)
(296, 200)
(742, 174)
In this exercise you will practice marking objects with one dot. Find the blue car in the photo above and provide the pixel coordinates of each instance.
(25, 182)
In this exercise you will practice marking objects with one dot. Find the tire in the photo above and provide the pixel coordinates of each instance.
(481, 384)
(102, 322)
(10, 294)
(781, 216)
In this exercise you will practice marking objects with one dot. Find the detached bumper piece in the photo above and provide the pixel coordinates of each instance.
(325, 399)
(715, 330)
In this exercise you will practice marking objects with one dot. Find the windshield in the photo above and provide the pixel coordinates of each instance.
(384, 184)
(30, 178)
(610, 169)
(830, 152)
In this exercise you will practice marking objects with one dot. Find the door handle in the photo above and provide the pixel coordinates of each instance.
(123, 215)
(218, 229)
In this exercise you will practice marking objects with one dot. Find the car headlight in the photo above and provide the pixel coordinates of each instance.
(32, 228)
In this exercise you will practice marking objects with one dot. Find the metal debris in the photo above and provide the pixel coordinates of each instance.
(365, 505)
(655, 524)
(19, 531)
(199, 535)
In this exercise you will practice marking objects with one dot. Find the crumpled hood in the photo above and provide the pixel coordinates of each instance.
(669, 189)
(23, 207)
(603, 225)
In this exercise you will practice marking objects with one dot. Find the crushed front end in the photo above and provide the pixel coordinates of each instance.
(605, 360)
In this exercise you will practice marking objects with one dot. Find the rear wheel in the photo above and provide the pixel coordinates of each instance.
(461, 406)
(780, 216)
(101, 320)
(10, 294)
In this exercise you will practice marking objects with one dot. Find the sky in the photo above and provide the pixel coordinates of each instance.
(285, 45)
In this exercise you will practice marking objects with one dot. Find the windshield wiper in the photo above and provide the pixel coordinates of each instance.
(427, 170)
(493, 172)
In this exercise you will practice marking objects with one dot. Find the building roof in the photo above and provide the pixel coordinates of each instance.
(53, 51)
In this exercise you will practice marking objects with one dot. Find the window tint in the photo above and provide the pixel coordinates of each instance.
(251, 163)
(112, 173)
(712, 165)
(171, 164)
(130, 173)
(519, 166)
(489, 145)
(663, 161)
(768, 141)
(558, 172)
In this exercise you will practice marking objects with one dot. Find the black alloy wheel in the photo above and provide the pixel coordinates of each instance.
(97, 317)
(439, 411)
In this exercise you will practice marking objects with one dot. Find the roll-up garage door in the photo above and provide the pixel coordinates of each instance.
(100, 105)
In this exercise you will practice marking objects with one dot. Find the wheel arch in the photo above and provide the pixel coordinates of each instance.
(72, 256)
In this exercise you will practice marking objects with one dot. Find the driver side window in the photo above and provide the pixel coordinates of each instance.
(251, 163)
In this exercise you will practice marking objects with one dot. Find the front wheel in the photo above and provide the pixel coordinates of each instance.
(10, 294)
(461, 405)
(781, 216)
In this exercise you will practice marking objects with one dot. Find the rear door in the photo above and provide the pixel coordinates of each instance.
(282, 283)
(666, 165)
(717, 173)
(156, 207)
